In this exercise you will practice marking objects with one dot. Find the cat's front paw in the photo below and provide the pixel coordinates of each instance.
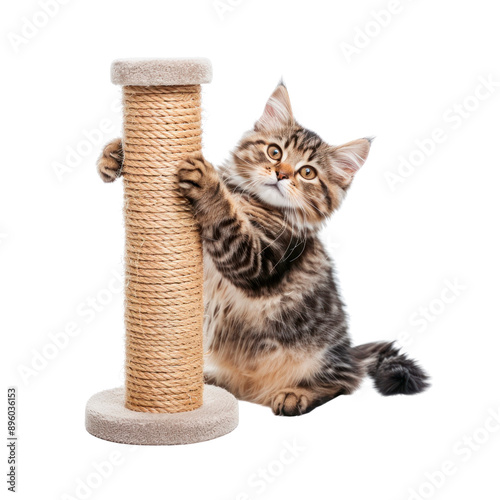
(110, 163)
(197, 177)
(290, 403)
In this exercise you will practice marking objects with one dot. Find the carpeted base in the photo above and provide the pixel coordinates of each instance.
(107, 418)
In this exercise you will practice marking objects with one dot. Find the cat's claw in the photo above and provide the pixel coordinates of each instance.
(110, 163)
(196, 176)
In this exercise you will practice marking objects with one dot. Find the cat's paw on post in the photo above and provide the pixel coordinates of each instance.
(290, 403)
(196, 177)
(110, 163)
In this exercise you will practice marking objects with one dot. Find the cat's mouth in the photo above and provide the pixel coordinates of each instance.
(276, 186)
(274, 194)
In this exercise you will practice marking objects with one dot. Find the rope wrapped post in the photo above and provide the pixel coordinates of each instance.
(165, 400)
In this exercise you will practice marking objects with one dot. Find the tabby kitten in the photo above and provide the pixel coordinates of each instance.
(275, 328)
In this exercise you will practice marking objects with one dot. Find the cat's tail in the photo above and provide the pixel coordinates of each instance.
(392, 371)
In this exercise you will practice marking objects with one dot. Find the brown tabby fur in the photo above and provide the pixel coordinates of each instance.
(275, 331)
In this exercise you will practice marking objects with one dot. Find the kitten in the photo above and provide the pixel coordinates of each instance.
(275, 328)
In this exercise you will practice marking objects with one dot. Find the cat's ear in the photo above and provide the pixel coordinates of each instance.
(349, 158)
(278, 111)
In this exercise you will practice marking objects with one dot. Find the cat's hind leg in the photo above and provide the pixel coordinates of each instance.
(338, 374)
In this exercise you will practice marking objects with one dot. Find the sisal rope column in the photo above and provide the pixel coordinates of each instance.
(164, 400)
(164, 275)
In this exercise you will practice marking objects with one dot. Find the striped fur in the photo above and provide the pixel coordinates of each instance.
(276, 331)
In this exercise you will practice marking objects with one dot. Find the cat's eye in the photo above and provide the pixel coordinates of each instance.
(308, 172)
(274, 152)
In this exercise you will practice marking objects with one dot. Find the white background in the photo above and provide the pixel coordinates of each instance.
(61, 240)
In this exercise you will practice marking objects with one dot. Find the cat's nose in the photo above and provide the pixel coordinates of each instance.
(284, 171)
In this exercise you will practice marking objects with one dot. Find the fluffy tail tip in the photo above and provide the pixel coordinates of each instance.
(400, 375)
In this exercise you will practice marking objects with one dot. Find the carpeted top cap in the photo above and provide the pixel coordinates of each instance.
(172, 71)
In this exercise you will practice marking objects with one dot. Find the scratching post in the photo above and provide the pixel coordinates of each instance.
(165, 400)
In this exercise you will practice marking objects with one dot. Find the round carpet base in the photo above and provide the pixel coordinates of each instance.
(107, 418)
